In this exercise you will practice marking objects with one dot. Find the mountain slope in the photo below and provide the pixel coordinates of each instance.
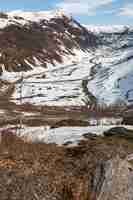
(113, 70)
(26, 44)
(51, 59)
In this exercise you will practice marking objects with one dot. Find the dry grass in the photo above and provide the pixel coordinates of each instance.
(51, 172)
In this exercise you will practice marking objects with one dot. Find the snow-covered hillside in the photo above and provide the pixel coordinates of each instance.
(51, 59)
(113, 72)
(23, 17)
(30, 40)
(35, 16)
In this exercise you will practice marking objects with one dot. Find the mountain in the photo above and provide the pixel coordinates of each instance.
(108, 28)
(113, 72)
(47, 58)
(39, 39)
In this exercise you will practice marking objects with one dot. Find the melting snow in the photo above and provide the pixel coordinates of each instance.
(62, 135)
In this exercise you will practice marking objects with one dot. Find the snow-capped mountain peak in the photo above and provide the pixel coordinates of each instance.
(36, 15)
(108, 28)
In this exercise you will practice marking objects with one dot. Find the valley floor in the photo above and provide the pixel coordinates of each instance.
(59, 125)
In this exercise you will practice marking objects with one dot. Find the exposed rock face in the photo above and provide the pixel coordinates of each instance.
(26, 45)
(119, 132)
(118, 181)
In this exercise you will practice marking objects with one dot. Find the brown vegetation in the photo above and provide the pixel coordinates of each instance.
(40, 171)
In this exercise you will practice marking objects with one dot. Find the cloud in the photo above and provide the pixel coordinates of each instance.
(88, 7)
(109, 12)
(127, 10)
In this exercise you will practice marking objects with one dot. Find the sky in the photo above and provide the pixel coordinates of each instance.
(96, 12)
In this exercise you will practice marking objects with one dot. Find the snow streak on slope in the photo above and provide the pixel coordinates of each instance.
(61, 86)
(113, 72)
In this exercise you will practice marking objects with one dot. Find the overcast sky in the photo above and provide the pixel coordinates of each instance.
(97, 12)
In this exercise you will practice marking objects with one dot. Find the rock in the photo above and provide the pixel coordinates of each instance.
(119, 132)
(117, 180)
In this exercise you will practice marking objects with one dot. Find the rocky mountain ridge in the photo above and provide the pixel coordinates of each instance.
(39, 39)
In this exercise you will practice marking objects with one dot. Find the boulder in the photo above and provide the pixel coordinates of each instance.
(119, 132)
(118, 180)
